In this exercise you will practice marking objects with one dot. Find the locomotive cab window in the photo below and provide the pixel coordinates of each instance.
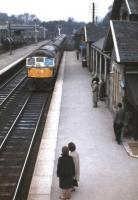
(30, 61)
(40, 59)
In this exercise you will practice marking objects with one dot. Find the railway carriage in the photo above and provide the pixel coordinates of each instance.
(42, 65)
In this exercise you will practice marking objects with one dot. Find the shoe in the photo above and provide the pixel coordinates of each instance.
(119, 142)
(73, 190)
(60, 197)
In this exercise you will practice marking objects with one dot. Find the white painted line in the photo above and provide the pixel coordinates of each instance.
(128, 7)
(115, 41)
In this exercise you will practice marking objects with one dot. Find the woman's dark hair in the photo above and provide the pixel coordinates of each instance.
(65, 151)
(72, 146)
(119, 105)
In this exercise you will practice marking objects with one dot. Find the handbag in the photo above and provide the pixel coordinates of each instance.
(75, 182)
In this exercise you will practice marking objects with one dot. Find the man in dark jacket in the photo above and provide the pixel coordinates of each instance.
(65, 172)
(95, 90)
(118, 123)
(77, 54)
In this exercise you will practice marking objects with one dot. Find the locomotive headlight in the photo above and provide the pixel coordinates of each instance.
(42, 71)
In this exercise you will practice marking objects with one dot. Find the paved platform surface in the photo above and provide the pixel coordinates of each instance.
(107, 171)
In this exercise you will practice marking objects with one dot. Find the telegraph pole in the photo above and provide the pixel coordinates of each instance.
(93, 12)
(35, 32)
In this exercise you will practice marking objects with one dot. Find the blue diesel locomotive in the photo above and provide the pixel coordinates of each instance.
(42, 65)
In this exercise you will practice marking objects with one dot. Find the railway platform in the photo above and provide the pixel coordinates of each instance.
(107, 171)
(8, 60)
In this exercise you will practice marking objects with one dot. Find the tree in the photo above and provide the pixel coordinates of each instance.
(3, 18)
(70, 19)
(26, 18)
(13, 19)
(106, 19)
(32, 18)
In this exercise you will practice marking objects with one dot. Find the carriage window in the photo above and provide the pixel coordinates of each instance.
(40, 59)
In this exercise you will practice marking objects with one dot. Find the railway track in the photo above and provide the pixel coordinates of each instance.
(8, 88)
(12, 96)
(20, 116)
(16, 145)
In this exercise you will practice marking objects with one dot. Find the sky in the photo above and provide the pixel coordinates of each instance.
(50, 10)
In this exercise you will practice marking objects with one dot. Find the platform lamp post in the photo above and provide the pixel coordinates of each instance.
(9, 36)
(59, 30)
(35, 32)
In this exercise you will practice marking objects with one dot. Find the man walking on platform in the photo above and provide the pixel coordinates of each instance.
(118, 123)
(77, 54)
(95, 93)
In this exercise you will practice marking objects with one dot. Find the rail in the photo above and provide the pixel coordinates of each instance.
(16, 147)
(7, 89)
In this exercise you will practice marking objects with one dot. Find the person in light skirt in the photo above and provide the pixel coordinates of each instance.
(75, 155)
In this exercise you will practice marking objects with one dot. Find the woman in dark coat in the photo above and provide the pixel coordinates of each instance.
(65, 172)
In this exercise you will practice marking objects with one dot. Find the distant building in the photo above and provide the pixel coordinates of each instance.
(86, 36)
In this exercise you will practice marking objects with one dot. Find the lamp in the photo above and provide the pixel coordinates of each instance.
(9, 36)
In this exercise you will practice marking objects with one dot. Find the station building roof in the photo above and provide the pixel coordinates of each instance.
(94, 32)
(99, 44)
(131, 5)
(123, 35)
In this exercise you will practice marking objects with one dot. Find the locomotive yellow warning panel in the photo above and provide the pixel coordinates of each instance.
(40, 72)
